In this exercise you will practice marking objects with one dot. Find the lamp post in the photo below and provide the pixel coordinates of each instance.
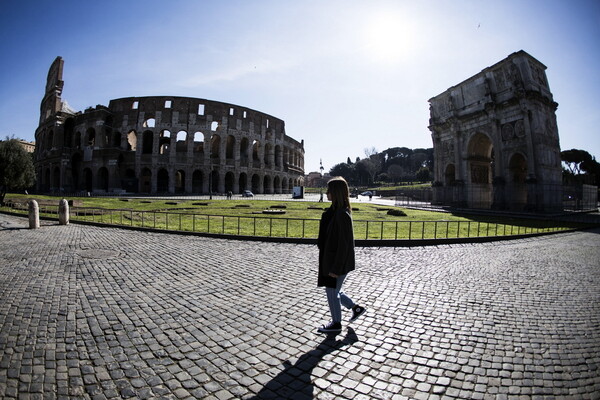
(321, 182)
(210, 182)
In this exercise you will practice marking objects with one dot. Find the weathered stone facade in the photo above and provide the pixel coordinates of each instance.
(496, 141)
(162, 144)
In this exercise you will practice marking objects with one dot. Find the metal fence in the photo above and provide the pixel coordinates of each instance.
(297, 228)
(506, 197)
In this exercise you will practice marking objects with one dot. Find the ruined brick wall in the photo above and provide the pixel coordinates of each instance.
(166, 144)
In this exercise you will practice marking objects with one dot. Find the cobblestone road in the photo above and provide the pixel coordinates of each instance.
(106, 313)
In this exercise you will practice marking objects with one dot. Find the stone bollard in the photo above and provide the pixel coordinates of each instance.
(63, 212)
(34, 215)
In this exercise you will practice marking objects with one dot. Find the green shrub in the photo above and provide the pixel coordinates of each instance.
(397, 213)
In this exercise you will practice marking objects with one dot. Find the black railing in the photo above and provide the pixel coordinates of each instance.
(297, 228)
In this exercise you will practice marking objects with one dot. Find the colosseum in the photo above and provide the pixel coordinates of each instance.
(161, 145)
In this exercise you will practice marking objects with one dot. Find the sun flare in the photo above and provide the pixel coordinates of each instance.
(388, 38)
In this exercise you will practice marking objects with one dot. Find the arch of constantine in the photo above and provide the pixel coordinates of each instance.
(162, 144)
(496, 141)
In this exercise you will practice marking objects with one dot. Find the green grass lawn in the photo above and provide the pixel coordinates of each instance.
(296, 219)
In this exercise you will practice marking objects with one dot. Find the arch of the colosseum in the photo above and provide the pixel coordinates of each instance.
(162, 144)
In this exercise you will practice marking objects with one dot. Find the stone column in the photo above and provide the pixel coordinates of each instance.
(34, 215)
(531, 163)
(63, 212)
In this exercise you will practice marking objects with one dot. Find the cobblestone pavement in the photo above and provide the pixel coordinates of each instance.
(106, 313)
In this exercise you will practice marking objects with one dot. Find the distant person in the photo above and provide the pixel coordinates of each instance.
(336, 254)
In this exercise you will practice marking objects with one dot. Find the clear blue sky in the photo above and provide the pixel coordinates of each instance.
(343, 75)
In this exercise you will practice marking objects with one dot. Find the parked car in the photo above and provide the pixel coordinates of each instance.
(247, 193)
(367, 193)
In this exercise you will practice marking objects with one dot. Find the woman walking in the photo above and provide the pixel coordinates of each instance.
(336, 254)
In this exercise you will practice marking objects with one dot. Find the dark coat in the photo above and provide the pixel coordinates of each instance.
(336, 245)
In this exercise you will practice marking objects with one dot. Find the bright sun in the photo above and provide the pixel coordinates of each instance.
(388, 38)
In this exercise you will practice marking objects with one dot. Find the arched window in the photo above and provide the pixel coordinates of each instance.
(90, 137)
(230, 146)
(149, 123)
(147, 142)
(198, 142)
(215, 146)
(164, 142)
(181, 145)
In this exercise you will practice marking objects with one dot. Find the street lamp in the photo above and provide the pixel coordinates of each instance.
(321, 181)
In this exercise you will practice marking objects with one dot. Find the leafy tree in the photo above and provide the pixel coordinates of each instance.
(395, 172)
(16, 167)
(423, 174)
(579, 166)
(344, 170)
(366, 168)
(576, 160)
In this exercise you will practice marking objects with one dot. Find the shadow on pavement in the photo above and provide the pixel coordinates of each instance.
(294, 382)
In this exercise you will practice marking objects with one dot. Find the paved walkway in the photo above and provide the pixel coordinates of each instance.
(106, 313)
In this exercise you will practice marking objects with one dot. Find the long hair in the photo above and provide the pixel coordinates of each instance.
(340, 194)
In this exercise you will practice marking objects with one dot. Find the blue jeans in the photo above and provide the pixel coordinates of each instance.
(336, 299)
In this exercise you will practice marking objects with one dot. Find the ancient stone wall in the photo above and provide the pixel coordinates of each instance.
(163, 144)
(496, 140)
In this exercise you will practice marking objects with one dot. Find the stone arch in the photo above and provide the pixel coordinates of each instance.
(244, 143)
(278, 156)
(213, 182)
(266, 184)
(129, 182)
(149, 123)
(198, 142)
(480, 154)
(267, 155)
(162, 181)
(164, 142)
(107, 138)
(215, 147)
(69, 129)
(146, 181)
(197, 181)
(229, 147)
(255, 150)
(90, 137)
(229, 181)
(180, 181)
(181, 144)
(76, 160)
(88, 180)
(56, 177)
(277, 184)
(147, 142)
(102, 179)
(256, 184)
(243, 182)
